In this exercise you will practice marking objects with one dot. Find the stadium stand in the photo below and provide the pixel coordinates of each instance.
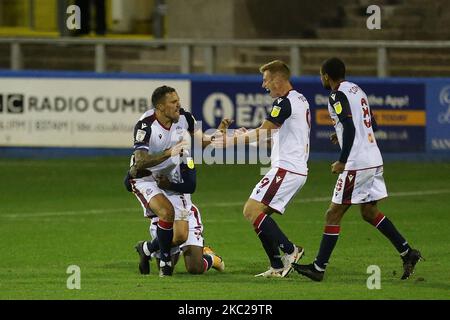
(342, 20)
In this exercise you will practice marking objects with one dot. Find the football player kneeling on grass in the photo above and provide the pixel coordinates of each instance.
(188, 237)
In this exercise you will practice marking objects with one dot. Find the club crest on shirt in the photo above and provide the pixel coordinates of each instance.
(275, 111)
(338, 107)
(140, 135)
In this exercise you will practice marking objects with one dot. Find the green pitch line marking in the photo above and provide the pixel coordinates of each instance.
(205, 205)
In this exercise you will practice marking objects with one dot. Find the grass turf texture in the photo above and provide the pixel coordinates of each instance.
(56, 213)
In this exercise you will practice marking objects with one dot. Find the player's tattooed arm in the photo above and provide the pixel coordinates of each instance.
(144, 160)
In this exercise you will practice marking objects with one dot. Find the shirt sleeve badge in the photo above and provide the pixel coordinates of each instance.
(140, 135)
(275, 111)
(190, 163)
(338, 107)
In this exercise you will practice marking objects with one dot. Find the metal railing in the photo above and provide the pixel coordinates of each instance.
(210, 46)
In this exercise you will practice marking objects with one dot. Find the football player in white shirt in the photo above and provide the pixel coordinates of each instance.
(360, 169)
(289, 126)
(159, 140)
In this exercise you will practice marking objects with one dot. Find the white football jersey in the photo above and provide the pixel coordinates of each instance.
(290, 148)
(151, 135)
(349, 100)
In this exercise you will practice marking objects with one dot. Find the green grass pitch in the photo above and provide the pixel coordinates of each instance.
(56, 213)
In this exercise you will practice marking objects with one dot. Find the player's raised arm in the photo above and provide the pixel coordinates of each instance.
(281, 110)
(220, 131)
(264, 131)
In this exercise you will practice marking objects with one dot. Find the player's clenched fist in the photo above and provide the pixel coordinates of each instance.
(179, 148)
(334, 138)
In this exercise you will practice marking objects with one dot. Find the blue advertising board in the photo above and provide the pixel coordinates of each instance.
(413, 114)
(398, 107)
(438, 116)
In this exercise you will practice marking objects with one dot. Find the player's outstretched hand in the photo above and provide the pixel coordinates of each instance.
(227, 139)
(224, 124)
(240, 131)
(219, 140)
(334, 138)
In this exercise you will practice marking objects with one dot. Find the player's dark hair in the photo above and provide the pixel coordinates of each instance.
(160, 93)
(335, 68)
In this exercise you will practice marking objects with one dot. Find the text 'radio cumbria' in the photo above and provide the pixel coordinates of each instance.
(19, 103)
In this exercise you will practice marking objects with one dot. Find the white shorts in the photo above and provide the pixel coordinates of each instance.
(146, 188)
(277, 188)
(195, 235)
(360, 186)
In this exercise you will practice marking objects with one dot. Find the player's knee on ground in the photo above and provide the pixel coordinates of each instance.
(193, 259)
(195, 268)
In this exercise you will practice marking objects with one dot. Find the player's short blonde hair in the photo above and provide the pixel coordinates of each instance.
(277, 66)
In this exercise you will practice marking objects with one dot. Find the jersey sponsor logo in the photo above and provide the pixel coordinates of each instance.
(275, 111)
(338, 107)
(140, 135)
(190, 163)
